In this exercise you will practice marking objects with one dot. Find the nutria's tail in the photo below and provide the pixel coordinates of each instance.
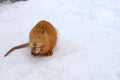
(17, 47)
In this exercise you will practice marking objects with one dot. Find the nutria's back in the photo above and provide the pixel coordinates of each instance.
(43, 36)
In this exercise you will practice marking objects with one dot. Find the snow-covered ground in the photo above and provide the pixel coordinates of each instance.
(88, 47)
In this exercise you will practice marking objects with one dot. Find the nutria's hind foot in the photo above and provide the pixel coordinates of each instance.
(50, 53)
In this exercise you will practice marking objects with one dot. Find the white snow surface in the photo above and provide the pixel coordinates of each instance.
(88, 46)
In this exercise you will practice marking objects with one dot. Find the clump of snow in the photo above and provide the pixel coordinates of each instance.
(87, 48)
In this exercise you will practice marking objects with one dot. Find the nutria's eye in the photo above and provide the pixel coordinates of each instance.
(43, 32)
(39, 37)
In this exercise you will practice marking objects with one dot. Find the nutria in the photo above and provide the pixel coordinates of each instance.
(42, 39)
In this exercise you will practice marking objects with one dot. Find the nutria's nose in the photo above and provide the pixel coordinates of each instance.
(34, 44)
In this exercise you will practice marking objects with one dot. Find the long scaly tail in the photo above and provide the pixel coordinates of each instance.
(17, 47)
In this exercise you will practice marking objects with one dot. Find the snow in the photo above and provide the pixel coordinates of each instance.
(87, 48)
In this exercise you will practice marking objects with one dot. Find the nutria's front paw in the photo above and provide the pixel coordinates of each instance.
(34, 54)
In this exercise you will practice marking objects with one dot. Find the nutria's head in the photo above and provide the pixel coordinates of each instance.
(39, 40)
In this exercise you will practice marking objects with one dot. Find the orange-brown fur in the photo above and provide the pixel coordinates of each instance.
(43, 34)
(42, 39)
